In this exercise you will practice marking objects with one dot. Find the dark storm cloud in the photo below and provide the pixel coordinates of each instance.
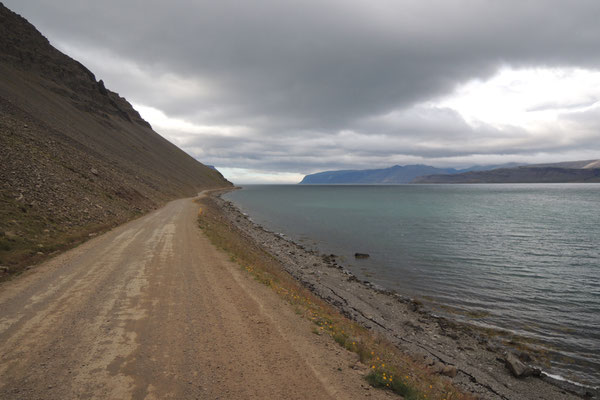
(421, 140)
(300, 74)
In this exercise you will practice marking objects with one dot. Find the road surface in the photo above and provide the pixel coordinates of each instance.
(153, 310)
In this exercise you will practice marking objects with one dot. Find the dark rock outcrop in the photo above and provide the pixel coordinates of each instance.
(518, 368)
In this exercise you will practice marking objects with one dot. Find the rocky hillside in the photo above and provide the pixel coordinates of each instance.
(76, 157)
(569, 172)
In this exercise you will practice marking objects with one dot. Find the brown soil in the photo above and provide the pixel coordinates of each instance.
(152, 310)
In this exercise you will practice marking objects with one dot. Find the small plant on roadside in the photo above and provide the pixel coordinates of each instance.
(379, 378)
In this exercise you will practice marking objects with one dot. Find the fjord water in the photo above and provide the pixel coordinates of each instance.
(522, 258)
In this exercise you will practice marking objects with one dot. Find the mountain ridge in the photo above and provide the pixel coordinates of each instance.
(587, 171)
(397, 174)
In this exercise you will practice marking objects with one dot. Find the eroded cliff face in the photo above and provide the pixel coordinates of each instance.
(75, 157)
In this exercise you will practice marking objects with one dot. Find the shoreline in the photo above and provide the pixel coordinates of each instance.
(440, 342)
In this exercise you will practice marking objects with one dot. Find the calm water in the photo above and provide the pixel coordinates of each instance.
(525, 258)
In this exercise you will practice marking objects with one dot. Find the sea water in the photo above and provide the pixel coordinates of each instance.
(524, 258)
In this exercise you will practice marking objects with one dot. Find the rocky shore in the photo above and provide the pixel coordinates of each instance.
(473, 359)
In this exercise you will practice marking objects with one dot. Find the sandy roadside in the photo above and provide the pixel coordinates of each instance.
(478, 358)
(151, 310)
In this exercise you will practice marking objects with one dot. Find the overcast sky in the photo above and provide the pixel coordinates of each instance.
(268, 91)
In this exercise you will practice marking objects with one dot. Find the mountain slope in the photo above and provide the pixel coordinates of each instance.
(76, 158)
(394, 175)
(576, 171)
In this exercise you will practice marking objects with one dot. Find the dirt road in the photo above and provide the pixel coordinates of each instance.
(152, 310)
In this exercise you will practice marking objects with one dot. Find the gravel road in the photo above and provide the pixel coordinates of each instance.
(153, 310)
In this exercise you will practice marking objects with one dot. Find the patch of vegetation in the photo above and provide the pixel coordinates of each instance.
(380, 379)
(403, 374)
(30, 237)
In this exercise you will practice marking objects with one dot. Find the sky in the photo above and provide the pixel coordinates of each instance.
(270, 90)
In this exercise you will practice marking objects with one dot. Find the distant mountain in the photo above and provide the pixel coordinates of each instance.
(575, 171)
(394, 175)
(489, 167)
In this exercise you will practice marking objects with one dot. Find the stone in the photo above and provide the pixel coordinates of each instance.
(102, 88)
(359, 366)
(525, 357)
(436, 367)
(518, 368)
(361, 255)
(449, 371)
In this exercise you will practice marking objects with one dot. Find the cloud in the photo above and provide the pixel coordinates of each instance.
(302, 86)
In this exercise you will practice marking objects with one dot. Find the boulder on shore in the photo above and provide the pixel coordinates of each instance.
(518, 368)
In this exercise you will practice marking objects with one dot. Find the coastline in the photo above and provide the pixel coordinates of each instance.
(440, 342)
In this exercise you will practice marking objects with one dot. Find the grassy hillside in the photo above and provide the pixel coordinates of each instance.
(76, 158)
